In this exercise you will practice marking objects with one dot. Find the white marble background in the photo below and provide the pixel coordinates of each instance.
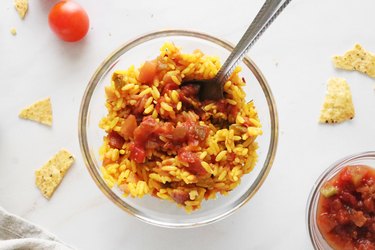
(294, 55)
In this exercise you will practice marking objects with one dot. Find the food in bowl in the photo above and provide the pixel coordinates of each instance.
(163, 141)
(346, 208)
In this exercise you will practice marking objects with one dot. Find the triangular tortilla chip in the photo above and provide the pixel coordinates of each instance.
(338, 104)
(41, 112)
(21, 6)
(51, 174)
(356, 59)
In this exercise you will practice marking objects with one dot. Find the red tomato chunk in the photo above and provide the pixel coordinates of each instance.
(180, 133)
(346, 209)
(115, 140)
(169, 86)
(180, 196)
(128, 127)
(147, 72)
(195, 166)
(137, 153)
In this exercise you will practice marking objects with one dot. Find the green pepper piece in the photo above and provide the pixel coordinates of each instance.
(329, 191)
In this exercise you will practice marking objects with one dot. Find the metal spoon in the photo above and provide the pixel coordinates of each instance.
(213, 89)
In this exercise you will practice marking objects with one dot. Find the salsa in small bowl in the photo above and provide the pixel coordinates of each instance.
(341, 208)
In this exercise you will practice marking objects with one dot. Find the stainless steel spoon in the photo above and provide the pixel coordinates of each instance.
(213, 89)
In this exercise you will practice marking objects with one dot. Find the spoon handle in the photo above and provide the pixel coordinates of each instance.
(267, 14)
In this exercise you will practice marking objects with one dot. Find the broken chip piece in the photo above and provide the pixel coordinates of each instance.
(51, 174)
(338, 104)
(40, 111)
(21, 6)
(13, 31)
(356, 59)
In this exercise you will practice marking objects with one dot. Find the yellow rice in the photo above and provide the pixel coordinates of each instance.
(228, 153)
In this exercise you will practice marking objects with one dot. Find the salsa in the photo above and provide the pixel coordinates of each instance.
(346, 209)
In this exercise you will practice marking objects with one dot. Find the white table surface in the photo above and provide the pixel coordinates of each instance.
(294, 55)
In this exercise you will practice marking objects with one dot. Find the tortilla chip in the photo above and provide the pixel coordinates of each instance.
(21, 6)
(338, 104)
(356, 59)
(41, 112)
(51, 174)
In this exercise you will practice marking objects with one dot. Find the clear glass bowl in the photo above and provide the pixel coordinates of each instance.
(151, 209)
(317, 239)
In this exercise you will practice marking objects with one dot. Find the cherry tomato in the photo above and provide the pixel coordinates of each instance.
(69, 21)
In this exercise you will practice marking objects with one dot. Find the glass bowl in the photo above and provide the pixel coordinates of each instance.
(317, 239)
(151, 209)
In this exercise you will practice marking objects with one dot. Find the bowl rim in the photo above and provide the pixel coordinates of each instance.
(83, 118)
(312, 201)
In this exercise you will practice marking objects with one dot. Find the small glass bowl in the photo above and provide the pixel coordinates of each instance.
(151, 209)
(317, 239)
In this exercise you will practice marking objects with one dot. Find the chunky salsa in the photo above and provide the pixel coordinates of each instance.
(346, 209)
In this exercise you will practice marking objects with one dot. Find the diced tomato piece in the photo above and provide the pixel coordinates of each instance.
(128, 127)
(165, 129)
(180, 196)
(357, 175)
(195, 166)
(370, 206)
(345, 175)
(147, 72)
(191, 132)
(234, 110)
(115, 140)
(327, 223)
(231, 157)
(358, 218)
(367, 245)
(187, 156)
(189, 95)
(224, 107)
(144, 130)
(137, 154)
(348, 198)
(179, 134)
(221, 106)
(199, 132)
(197, 169)
(149, 123)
